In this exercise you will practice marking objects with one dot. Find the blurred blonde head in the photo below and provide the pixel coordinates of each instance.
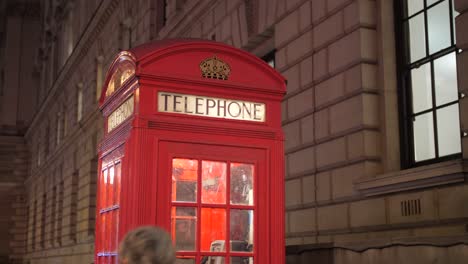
(146, 245)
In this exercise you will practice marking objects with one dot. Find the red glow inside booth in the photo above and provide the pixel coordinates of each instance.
(193, 143)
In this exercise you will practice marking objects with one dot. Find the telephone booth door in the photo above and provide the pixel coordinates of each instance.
(214, 210)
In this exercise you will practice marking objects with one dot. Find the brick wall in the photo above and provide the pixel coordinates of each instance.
(13, 170)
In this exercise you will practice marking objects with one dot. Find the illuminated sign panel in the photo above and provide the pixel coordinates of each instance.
(210, 107)
(120, 114)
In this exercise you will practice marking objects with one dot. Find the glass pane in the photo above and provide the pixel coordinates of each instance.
(439, 27)
(455, 14)
(242, 180)
(102, 230)
(185, 260)
(183, 226)
(242, 230)
(110, 231)
(117, 181)
(116, 230)
(417, 38)
(424, 137)
(421, 88)
(414, 6)
(212, 260)
(448, 130)
(110, 187)
(213, 229)
(242, 260)
(430, 2)
(102, 189)
(445, 77)
(184, 180)
(213, 182)
(104, 240)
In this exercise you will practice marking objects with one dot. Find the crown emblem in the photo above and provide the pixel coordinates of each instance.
(215, 68)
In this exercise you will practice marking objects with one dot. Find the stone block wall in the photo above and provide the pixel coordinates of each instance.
(13, 218)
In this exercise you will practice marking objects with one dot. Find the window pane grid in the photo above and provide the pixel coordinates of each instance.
(435, 108)
(438, 42)
(426, 7)
(109, 193)
(199, 254)
(432, 57)
(410, 25)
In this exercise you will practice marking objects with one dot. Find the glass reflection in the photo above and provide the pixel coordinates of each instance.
(184, 180)
(103, 188)
(117, 180)
(213, 229)
(103, 230)
(421, 88)
(445, 78)
(448, 130)
(110, 231)
(183, 225)
(242, 260)
(110, 187)
(424, 137)
(417, 38)
(122, 74)
(414, 6)
(438, 19)
(116, 214)
(241, 233)
(213, 182)
(242, 184)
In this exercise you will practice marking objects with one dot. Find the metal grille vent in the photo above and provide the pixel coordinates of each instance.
(411, 207)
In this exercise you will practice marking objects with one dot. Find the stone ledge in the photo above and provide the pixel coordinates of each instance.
(441, 173)
(361, 246)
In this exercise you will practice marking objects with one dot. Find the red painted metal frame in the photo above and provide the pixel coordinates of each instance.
(149, 139)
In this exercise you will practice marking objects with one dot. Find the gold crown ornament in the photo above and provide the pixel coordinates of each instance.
(215, 68)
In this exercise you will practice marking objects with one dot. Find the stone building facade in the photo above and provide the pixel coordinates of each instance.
(365, 180)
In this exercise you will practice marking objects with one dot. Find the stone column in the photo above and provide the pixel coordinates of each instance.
(461, 24)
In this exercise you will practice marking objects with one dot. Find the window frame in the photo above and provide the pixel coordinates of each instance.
(405, 99)
(198, 253)
(108, 211)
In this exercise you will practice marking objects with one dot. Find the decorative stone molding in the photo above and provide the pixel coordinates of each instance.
(415, 178)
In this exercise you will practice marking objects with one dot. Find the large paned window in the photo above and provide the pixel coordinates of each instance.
(109, 205)
(212, 216)
(430, 126)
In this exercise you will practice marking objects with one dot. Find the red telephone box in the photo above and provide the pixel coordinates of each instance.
(193, 143)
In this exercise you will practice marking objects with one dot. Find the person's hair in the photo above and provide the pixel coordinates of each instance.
(147, 245)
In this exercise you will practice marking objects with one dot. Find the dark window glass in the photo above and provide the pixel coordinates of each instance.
(270, 58)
